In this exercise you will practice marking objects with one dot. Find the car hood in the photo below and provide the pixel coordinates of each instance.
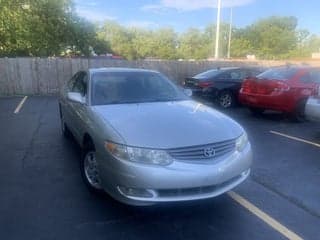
(166, 125)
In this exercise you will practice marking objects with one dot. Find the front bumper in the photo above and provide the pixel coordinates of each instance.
(180, 181)
(312, 109)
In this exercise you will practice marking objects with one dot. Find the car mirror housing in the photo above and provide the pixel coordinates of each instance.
(76, 97)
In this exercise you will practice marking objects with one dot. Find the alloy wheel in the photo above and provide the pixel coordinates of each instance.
(91, 170)
(225, 100)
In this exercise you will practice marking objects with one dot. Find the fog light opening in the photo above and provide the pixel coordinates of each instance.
(136, 192)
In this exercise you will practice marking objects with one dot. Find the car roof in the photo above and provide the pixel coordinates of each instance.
(120, 69)
(227, 68)
(236, 68)
(297, 67)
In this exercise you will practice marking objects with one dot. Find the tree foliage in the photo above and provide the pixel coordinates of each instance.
(137, 43)
(270, 38)
(52, 28)
(43, 28)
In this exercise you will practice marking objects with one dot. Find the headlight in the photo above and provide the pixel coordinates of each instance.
(241, 142)
(140, 155)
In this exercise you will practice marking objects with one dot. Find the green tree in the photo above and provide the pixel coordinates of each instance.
(137, 43)
(240, 48)
(313, 43)
(165, 42)
(210, 36)
(273, 37)
(143, 42)
(119, 38)
(43, 28)
(193, 45)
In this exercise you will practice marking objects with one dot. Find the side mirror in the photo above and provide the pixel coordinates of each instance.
(76, 97)
(187, 92)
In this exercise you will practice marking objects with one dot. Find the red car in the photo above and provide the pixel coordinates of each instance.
(284, 89)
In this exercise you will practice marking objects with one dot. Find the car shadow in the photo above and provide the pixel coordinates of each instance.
(176, 219)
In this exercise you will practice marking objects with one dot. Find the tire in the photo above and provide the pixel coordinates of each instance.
(226, 99)
(256, 111)
(89, 169)
(299, 114)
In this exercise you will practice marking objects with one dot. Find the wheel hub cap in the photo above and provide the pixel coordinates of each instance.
(91, 170)
(225, 100)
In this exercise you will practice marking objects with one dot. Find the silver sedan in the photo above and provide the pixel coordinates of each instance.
(145, 141)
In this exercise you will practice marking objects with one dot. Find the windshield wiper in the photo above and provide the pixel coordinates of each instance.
(163, 99)
(143, 101)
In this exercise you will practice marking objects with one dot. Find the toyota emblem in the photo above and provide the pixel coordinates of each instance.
(209, 152)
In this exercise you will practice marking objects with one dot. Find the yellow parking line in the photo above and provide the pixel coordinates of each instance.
(295, 138)
(264, 217)
(20, 105)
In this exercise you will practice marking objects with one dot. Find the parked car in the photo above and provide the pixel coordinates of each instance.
(284, 89)
(144, 141)
(312, 110)
(221, 84)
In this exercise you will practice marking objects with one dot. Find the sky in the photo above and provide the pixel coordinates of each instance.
(183, 14)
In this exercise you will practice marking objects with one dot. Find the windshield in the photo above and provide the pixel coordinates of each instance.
(133, 87)
(278, 73)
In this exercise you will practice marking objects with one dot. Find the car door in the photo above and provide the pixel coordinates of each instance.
(231, 80)
(222, 80)
(63, 101)
(76, 110)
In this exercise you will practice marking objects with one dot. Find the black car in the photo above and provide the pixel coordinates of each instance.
(221, 84)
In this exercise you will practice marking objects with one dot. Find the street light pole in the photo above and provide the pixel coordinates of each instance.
(216, 52)
(230, 32)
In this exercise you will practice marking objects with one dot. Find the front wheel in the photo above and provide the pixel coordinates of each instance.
(226, 99)
(90, 172)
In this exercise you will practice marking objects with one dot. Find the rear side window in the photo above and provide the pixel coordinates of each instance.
(313, 76)
(254, 72)
(278, 73)
(226, 75)
(239, 74)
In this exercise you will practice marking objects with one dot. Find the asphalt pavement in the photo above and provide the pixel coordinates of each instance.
(42, 195)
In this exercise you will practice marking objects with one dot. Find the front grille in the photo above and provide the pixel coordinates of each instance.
(184, 192)
(201, 152)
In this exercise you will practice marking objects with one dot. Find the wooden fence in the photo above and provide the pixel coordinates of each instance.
(46, 76)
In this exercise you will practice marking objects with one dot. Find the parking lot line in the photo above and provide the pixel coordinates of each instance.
(264, 217)
(17, 110)
(295, 138)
